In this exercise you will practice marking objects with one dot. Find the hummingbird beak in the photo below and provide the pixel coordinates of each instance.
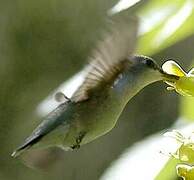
(168, 77)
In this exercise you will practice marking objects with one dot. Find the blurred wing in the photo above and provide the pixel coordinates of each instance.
(109, 57)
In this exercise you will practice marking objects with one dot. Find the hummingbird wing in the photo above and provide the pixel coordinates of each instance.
(110, 56)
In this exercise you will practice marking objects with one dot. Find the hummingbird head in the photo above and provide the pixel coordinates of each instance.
(149, 71)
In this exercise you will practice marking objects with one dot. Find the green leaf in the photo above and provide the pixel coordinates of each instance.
(163, 24)
(169, 170)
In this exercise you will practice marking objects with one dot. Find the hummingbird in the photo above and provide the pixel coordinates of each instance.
(114, 76)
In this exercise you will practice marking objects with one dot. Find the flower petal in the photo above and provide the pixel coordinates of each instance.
(171, 67)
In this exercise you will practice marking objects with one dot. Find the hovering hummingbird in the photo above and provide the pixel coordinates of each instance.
(113, 77)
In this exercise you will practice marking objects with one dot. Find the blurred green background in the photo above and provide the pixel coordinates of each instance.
(45, 42)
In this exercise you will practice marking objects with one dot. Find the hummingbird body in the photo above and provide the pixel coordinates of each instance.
(99, 114)
(113, 78)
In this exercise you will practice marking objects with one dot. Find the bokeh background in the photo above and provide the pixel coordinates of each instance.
(43, 43)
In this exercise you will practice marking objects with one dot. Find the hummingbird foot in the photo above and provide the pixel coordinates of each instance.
(77, 146)
(78, 140)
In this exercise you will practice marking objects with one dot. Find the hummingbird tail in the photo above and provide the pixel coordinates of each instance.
(51, 122)
(17, 152)
(25, 146)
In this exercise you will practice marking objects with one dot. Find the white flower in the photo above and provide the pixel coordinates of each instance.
(185, 84)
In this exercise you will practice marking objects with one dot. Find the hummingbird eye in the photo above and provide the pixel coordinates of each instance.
(150, 64)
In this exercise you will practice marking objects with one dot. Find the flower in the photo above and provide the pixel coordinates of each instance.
(185, 84)
(185, 152)
(185, 171)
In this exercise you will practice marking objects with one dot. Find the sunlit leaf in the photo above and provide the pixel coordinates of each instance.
(169, 171)
(164, 24)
